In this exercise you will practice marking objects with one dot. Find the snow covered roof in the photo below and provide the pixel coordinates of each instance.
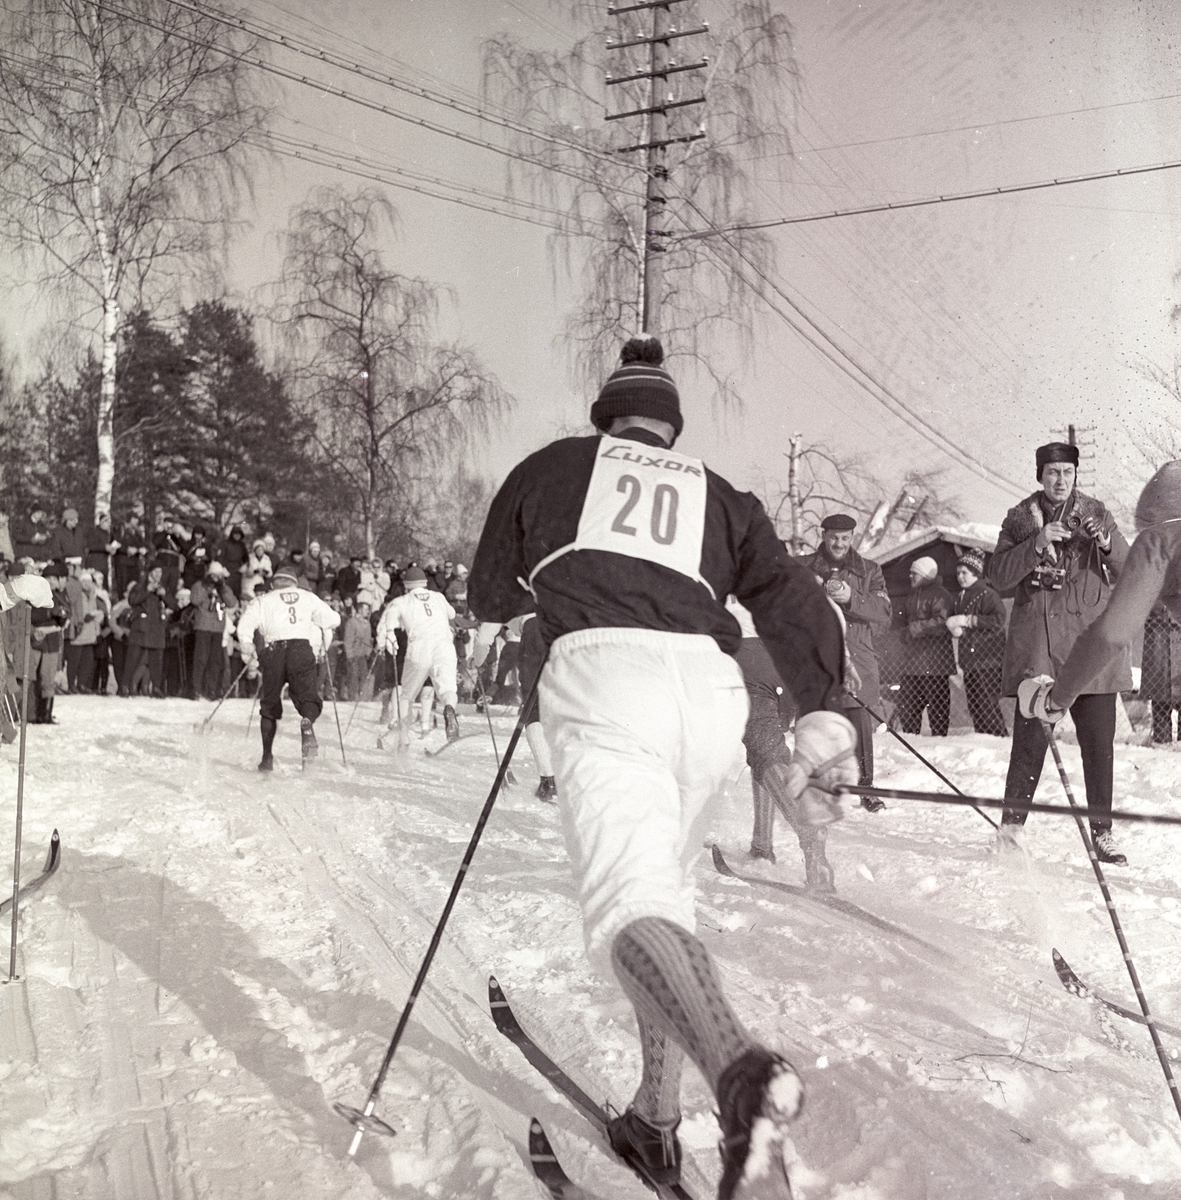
(979, 534)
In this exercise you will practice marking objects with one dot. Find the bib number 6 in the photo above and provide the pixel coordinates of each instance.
(662, 524)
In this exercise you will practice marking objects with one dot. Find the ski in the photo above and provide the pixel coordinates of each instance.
(463, 737)
(547, 1168)
(594, 1112)
(52, 862)
(1075, 986)
(836, 903)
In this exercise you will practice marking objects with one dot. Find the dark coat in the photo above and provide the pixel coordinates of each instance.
(348, 580)
(66, 543)
(1045, 624)
(30, 539)
(149, 616)
(868, 608)
(983, 645)
(926, 641)
(97, 557)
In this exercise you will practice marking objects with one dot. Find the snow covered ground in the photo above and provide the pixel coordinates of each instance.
(224, 955)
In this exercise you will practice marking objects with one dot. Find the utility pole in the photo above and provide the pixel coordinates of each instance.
(657, 140)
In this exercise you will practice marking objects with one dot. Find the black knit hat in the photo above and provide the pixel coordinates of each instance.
(641, 387)
(1056, 452)
(974, 560)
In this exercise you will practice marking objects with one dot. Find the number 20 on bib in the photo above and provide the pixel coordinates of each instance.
(645, 502)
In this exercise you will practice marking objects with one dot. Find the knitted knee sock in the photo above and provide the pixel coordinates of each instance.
(658, 1098)
(763, 835)
(667, 975)
(268, 726)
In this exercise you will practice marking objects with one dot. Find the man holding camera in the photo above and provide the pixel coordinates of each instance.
(1061, 551)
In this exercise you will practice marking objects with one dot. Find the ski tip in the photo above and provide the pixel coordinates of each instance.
(720, 864)
(540, 1149)
(495, 994)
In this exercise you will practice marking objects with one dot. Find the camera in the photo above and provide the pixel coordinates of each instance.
(1048, 578)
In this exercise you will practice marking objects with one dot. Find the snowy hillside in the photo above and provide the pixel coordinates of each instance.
(222, 956)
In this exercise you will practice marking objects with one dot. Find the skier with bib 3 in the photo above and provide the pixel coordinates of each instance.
(289, 620)
(630, 550)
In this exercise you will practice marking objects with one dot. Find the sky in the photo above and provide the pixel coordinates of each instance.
(996, 321)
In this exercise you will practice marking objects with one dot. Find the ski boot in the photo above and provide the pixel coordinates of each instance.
(759, 852)
(818, 875)
(384, 719)
(451, 723)
(652, 1149)
(547, 789)
(267, 764)
(1105, 848)
(759, 1095)
(308, 746)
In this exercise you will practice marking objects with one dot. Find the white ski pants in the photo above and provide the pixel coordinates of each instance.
(436, 659)
(646, 730)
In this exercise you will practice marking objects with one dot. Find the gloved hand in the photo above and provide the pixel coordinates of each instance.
(957, 624)
(34, 589)
(1100, 536)
(1033, 698)
(252, 668)
(824, 759)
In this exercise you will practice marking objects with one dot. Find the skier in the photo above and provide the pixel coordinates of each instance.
(426, 617)
(1151, 574)
(630, 550)
(529, 663)
(291, 621)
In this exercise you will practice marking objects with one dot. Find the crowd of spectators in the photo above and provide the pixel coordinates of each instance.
(139, 612)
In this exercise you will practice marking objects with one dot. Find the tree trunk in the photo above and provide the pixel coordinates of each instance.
(793, 490)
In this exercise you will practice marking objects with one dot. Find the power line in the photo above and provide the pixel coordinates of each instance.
(288, 42)
(342, 94)
(847, 364)
(983, 193)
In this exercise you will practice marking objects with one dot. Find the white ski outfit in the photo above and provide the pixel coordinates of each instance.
(426, 617)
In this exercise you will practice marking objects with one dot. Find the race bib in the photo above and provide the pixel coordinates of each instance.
(645, 502)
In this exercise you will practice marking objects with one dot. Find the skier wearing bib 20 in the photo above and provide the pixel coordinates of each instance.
(289, 620)
(631, 550)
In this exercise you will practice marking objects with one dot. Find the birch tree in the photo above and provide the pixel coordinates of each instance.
(390, 404)
(749, 83)
(123, 141)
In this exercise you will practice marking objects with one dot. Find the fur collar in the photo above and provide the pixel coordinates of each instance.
(1027, 518)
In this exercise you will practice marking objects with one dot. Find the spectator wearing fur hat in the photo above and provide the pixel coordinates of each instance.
(256, 570)
(1061, 551)
(977, 625)
(928, 659)
(858, 588)
(210, 598)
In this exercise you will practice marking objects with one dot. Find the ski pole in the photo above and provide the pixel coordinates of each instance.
(335, 710)
(357, 702)
(927, 763)
(257, 693)
(363, 1119)
(20, 792)
(1089, 843)
(509, 778)
(204, 724)
(857, 789)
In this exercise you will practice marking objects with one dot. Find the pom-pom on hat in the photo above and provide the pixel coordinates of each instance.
(838, 523)
(1161, 498)
(925, 568)
(1055, 452)
(973, 560)
(640, 387)
(413, 575)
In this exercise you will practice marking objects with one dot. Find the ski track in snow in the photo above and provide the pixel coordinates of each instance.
(223, 955)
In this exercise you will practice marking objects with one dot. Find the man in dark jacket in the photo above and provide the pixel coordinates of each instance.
(630, 551)
(348, 579)
(858, 586)
(233, 555)
(100, 545)
(132, 550)
(928, 659)
(30, 536)
(67, 542)
(1061, 551)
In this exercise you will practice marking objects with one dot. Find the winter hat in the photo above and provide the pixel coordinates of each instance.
(286, 573)
(258, 544)
(218, 571)
(413, 575)
(461, 570)
(973, 560)
(925, 568)
(641, 387)
(1161, 498)
(1055, 452)
(68, 513)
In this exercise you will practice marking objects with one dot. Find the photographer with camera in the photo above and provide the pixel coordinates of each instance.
(1061, 552)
